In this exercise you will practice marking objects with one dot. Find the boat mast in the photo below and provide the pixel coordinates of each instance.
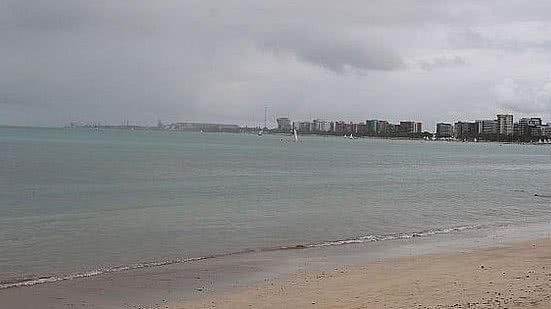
(265, 116)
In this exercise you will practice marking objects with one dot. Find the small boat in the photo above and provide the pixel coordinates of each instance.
(295, 134)
(260, 133)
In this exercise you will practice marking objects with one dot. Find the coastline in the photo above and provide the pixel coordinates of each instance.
(278, 134)
(516, 275)
(197, 284)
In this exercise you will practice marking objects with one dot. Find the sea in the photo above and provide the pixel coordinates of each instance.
(78, 202)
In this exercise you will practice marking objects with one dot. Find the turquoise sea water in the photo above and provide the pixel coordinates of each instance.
(79, 200)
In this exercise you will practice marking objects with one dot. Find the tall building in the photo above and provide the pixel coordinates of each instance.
(505, 124)
(407, 127)
(546, 130)
(339, 127)
(343, 127)
(536, 121)
(529, 127)
(361, 129)
(479, 127)
(378, 127)
(372, 127)
(486, 127)
(383, 127)
(464, 130)
(489, 127)
(321, 125)
(316, 125)
(418, 127)
(284, 124)
(350, 127)
(304, 126)
(411, 127)
(392, 129)
(444, 130)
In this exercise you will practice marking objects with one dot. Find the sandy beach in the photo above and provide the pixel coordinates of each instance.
(515, 275)
(498, 268)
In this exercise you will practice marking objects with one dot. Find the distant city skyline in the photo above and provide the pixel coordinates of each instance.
(502, 127)
(272, 121)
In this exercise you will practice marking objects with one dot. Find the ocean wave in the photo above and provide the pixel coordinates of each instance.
(373, 238)
(26, 282)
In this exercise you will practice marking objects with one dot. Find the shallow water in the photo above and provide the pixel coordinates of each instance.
(79, 200)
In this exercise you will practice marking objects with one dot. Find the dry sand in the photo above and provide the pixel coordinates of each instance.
(514, 276)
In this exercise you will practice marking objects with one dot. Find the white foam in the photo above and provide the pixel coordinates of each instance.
(361, 239)
(372, 238)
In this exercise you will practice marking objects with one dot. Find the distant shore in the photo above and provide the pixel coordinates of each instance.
(255, 131)
(517, 275)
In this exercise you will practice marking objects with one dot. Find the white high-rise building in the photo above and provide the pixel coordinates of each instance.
(505, 124)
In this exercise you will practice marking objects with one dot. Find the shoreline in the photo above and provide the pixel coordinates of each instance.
(179, 285)
(516, 275)
(278, 134)
(48, 279)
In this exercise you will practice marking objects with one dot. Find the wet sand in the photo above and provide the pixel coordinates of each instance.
(517, 275)
(394, 273)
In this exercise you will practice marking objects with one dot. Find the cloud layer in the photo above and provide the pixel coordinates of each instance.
(190, 60)
(332, 52)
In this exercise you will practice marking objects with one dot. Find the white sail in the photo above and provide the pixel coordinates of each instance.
(295, 134)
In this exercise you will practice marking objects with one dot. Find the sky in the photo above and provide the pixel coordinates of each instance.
(224, 61)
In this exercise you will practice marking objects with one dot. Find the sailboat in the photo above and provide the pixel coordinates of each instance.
(295, 134)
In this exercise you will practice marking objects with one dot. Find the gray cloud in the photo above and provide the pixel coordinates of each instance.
(442, 62)
(183, 60)
(523, 97)
(332, 52)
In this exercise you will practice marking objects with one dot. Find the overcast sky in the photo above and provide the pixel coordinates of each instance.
(223, 61)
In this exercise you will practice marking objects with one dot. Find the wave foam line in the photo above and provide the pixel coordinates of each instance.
(51, 279)
(362, 239)
(373, 238)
